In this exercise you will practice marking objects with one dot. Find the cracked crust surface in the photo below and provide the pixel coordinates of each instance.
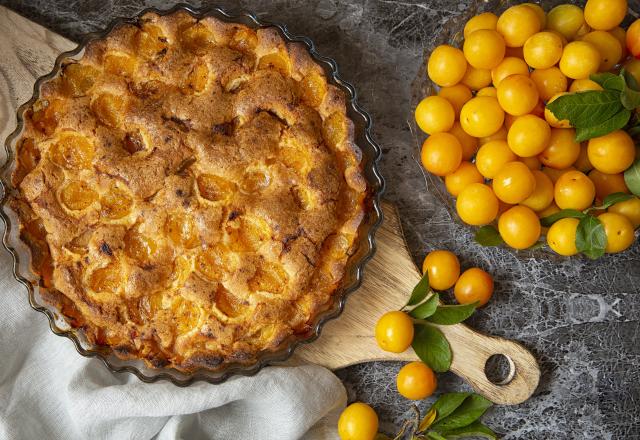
(190, 191)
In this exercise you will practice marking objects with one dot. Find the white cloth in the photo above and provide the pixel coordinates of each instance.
(49, 391)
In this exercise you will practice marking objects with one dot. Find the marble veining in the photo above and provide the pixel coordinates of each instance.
(580, 318)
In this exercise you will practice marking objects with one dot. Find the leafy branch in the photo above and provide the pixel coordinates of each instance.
(429, 342)
(591, 239)
(452, 416)
(596, 113)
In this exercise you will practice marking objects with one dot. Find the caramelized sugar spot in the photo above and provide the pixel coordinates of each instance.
(150, 41)
(247, 234)
(197, 38)
(215, 188)
(228, 303)
(115, 204)
(119, 63)
(108, 108)
(187, 315)
(334, 130)
(139, 247)
(72, 151)
(244, 40)
(269, 277)
(255, 181)
(196, 80)
(277, 61)
(134, 142)
(313, 89)
(106, 279)
(78, 78)
(77, 196)
(181, 229)
(45, 115)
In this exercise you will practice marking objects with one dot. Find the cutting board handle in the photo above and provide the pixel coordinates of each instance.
(389, 278)
(471, 351)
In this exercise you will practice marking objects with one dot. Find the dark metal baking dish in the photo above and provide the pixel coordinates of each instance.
(355, 266)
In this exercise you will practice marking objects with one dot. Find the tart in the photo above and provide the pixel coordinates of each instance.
(190, 191)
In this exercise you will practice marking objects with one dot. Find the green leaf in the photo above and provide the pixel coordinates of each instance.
(630, 80)
(419, 292)
(488, 236)
(476, 429)
(609, 81)
(432, 347)
(590, 237)
(432, 435)
(630, 98)
(587, 109)
(614, 198)
(471, 410)
(427, 308)
(632, 178)
(449, 315)
(616, 122)
(447, 403)
(565, 213)
(537, 245)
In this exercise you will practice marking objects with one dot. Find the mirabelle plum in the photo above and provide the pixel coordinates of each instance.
(313, 88)
(277, 61)
(78, 196)
(244, 40)
(215, 188)
(484, 49)
(196, 81)
(106, 279)
(115, 204)
(72, 151)
(109, 108)
(446, 66)
(482, 116)
(269, 277)
(574, 190)
(198, 38)
(119, 63)
(605, 14)
(150, 41)
(519, 227)
(334, 130)
(78, 78)
(619, 232)
(139, 247)
(517, 24)
(181, 229)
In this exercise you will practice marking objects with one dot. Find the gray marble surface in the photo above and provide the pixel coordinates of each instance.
(580, 318)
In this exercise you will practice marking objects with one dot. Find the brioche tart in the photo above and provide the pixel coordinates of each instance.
(190, 191)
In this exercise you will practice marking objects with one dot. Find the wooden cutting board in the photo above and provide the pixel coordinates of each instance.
(29, 51)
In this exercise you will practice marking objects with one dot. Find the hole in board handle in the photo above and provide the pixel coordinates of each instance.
(499, 369)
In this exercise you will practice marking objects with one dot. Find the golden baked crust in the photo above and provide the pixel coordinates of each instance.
(190, 191)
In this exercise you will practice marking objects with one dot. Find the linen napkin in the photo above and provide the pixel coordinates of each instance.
(49, 391)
